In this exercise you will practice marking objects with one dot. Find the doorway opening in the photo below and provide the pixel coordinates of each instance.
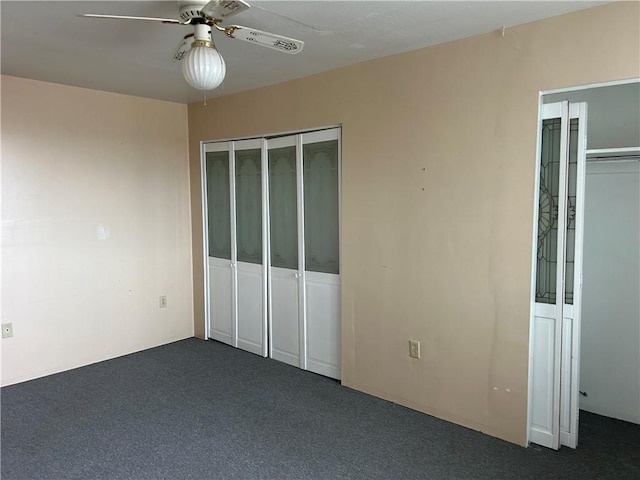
(585, 325)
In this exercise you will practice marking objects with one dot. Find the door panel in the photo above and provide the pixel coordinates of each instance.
(565, 378)
(549, 276)
(321, 209)
(542, 410)
(251, 283)
(250, 308)
(321, 175)
(249, 205)
(285, 345)
(558, 273)
(283, 208)
(323, 329)
(220, 301)
(286, 327)
(574, 232)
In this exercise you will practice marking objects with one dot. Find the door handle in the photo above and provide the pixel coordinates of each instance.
(297, 275)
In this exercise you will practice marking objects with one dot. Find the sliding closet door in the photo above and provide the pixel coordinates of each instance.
(321, 260)
(251, 278)
(286, 325)
(221, 275)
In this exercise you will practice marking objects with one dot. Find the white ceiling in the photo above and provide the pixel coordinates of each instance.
(46, 41)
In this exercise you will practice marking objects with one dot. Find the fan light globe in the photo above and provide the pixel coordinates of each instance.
(203, 68)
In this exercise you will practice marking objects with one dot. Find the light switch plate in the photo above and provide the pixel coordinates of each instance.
(414, 349)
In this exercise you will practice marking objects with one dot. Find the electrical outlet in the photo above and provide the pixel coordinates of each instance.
(163, 301)
(7, 330)
(414, 349)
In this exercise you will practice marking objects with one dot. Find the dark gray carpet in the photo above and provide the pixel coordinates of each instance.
(200, 410)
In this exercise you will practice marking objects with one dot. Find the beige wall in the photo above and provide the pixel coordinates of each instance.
(95, 226)
(438, 185)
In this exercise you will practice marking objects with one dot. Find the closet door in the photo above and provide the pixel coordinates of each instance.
(573, 261)
(321, 259)
(286, 325)
(250, 266)
(220, 274)
(273, 271)
(558, 277)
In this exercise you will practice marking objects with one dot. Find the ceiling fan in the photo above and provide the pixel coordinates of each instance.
(202, 66)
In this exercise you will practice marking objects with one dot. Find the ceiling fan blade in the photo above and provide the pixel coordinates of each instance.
(222, 9)
(127, 17)
(266, 39)
(183, 48)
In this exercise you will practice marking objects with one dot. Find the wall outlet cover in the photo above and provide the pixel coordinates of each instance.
(7, 330)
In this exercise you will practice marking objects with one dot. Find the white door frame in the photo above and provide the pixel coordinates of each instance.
(575, 354)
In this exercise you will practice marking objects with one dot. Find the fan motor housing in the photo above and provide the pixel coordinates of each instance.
(190, 10)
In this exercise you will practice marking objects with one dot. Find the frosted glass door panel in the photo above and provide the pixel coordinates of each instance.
(218, 204)
(249, 205)
(283, 211)
(321, 209)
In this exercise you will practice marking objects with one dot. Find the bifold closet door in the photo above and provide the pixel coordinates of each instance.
(220, 271)
(304, 222)
(251, 278)
(321, 194)
(286, 320)
(273, 265)
(558, 277)
(235, 222)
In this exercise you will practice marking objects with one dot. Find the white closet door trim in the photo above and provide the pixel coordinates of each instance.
(234, 248)
(302, 291)
(205, 242)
